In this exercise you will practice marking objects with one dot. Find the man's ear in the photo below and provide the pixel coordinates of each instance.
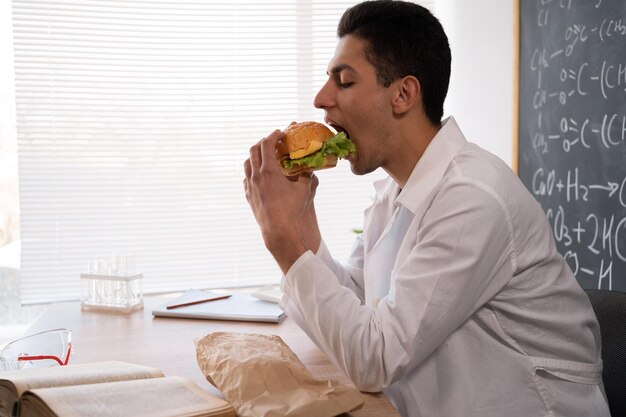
(408, 94)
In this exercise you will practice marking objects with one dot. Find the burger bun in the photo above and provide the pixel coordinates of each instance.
(302, 139)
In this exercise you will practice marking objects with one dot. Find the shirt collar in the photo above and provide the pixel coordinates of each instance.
(431, 167)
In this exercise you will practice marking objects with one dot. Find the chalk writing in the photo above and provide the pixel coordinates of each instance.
(572, 130)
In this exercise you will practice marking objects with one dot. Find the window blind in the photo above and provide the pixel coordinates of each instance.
(134, 118)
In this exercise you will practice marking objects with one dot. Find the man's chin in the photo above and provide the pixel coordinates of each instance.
(355, 167)
(362, 166)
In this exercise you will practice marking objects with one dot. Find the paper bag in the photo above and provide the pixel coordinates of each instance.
(262, 377)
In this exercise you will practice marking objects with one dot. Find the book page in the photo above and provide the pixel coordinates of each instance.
(85, 373)
(8, 395)
(14, 383)
(158, 397)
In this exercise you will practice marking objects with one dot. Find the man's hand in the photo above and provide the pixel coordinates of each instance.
(283, 207)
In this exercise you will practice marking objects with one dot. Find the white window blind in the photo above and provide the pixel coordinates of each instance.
(134, 118)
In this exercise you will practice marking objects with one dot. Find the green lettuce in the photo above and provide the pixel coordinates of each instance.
(338, 145)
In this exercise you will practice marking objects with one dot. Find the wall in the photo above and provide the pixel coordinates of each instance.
(481, 34)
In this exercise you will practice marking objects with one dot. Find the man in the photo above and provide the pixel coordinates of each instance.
(454, 301)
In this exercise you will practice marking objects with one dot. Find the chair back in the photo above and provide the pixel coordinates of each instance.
(610, 309)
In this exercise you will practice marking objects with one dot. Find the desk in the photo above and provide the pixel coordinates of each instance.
(167, 344)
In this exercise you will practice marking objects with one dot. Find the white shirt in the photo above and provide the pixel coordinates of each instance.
(455, 301)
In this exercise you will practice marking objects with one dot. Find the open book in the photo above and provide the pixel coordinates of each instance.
(104, 389)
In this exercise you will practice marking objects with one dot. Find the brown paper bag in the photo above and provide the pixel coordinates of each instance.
(262, 377)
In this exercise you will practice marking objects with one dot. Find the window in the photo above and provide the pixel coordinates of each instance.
(133, 121)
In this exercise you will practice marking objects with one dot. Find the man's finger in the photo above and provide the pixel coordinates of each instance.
(247, 169)
(314, 183)
(255, 157)
(268, 147)
(246, 189)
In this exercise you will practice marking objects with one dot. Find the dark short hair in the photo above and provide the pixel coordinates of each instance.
(403, 39)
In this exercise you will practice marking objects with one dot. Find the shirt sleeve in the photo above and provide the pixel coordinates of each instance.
(349, 275)
(463, 255)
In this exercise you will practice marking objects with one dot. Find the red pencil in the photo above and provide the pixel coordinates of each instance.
(203, 300)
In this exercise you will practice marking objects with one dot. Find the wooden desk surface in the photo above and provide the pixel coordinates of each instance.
(167, 344)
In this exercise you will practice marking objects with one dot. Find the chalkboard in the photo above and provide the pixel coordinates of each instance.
(572, 129)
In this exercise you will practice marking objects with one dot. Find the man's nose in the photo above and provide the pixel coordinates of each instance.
(323, 98)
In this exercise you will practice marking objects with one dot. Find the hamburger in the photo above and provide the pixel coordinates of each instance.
(309, 146)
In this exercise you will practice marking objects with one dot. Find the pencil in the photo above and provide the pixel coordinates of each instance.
(204, 300)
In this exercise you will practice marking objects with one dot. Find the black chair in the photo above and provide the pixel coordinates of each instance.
(610, 309)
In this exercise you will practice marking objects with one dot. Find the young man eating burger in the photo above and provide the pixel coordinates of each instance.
(455, 301)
